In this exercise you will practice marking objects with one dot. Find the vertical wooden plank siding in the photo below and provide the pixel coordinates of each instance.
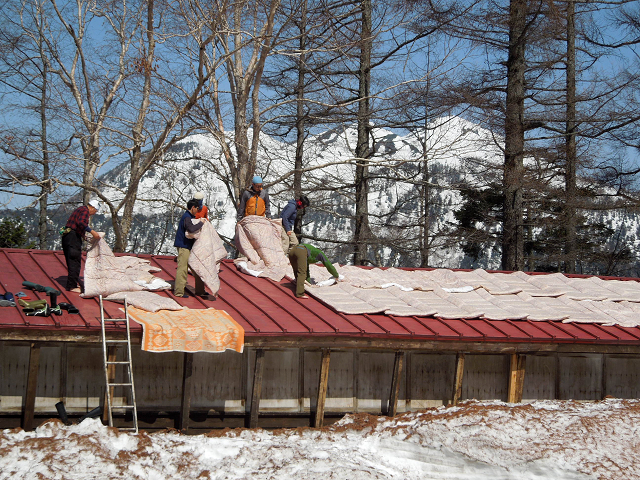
(111, 374)
(604, 376)
(257, 388)
(457, 381)
(557, 378)
(516, 378)
(32, 384)
(323, 381)
(408, 381)
(301, 380)
(185, 403)
(395, 384)
(356, 384)
(244, 394)
(63, 373)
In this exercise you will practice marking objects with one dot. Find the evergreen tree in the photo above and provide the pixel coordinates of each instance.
(13, 234)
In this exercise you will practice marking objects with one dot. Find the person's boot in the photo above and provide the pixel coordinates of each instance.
(41, 312)
(96, 412)
(62, 413)
(68, 307)
(55, 308)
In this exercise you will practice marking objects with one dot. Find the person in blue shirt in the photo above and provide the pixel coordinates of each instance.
(288, 215)
(184, 245)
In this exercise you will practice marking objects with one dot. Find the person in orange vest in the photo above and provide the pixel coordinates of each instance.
(203, 210)
(254, 201)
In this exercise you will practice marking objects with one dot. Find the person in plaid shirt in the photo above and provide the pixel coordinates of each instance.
(72, 235)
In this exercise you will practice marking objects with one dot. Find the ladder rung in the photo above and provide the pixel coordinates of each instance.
(116, 341)
(128, 429)
(122, 406)
(112, 320)
(118, 363)
(119, 384)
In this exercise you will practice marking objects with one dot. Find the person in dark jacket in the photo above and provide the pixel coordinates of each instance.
(301, 256)
(254, 201)
(184, 245)
(288, 216)
(72, 236)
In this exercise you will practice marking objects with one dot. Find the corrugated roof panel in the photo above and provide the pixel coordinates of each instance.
(623, 333)
(390, 324)
(555, 330)
(339, 322)
(463, 329)
(532, 329)
(488, 329)
(414, 326)
(578, 331)
(364, 324)
(264, 307)
(282, 309)
(440, 328)
(513, 331)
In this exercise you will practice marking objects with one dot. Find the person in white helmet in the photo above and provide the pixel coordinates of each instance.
(73, 234)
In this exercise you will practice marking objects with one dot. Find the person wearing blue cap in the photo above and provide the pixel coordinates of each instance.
(254, 200)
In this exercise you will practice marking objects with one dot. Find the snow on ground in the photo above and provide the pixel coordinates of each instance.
(559, 440)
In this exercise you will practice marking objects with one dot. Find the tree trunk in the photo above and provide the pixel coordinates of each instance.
(300, 119)
(46, 184)
(145, 67)
(570, 147)
(362, 229)
(425, 191)
(512, 236)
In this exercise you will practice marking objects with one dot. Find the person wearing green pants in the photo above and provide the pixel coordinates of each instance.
(301, 256)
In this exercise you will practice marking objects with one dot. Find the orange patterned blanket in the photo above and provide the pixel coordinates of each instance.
(202, 330)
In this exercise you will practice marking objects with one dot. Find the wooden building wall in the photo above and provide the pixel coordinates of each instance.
(359, 380)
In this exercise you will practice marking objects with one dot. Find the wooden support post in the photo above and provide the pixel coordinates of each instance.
(604, 375)
(457, 381)
(395, 384)
(301, 380)
(111, 373)
(323, 381)
(257, 388)
(185, 404)
(32, 385)
(63, 372)
(516, 378)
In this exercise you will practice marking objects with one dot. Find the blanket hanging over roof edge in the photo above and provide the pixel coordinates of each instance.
(188, 330)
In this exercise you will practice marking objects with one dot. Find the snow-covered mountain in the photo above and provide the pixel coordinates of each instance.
(454, 151)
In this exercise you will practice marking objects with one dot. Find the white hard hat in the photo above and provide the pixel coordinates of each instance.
(95, 204)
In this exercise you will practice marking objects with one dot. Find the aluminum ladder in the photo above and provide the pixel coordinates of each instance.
(110, 365)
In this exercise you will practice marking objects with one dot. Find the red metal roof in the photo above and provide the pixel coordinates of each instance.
(269, 309)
